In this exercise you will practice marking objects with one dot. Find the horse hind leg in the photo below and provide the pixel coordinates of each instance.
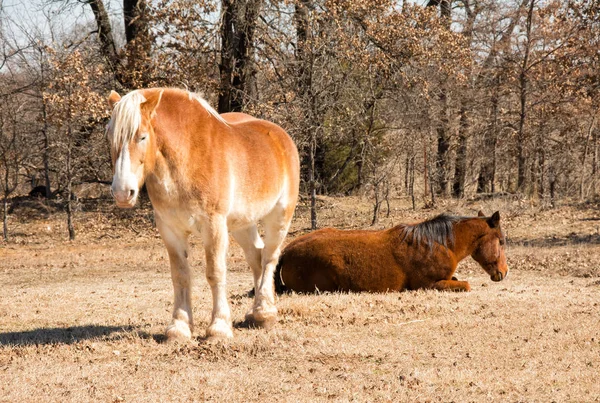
(182, 324)
(215, 238)
(276, 224)
(252, 245)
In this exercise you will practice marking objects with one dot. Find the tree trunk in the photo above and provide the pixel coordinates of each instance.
(69, 172)
(304, 77)
(443, 146)
(5, 218)
(412, 182)
(552, 180)
(135, 19)
(523, 88)
(595, 163)
(487, 172)
(460, 168)
(406, 173)
(237, 45)
(46, 152)
(541, 187)
(584, 158)
(137, 34)
(377, 204)
(312, 182)
(460, 165)
(107, 42)
(425, 170)
(443, 138)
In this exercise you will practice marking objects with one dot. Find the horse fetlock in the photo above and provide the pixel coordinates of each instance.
(219, 329)
(264, 315)
(179, 330)
(182, 316)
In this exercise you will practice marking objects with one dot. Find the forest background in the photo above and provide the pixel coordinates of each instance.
(427, 99)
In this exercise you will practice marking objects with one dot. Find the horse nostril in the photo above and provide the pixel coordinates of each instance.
(131, 193)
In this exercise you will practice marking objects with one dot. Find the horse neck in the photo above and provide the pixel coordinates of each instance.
(177, 138)
(466, 234)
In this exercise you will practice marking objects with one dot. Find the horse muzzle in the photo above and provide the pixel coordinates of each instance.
(125, 198)
(498, 276)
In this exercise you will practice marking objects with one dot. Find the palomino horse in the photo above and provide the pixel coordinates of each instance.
(405, 257)
(206, 174)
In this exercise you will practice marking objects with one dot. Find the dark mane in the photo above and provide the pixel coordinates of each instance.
(438, 230)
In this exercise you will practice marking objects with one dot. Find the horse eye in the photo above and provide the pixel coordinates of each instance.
(142, 138)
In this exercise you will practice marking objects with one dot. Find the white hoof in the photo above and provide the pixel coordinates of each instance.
(219, 330)
(178, 331)
(264, 315)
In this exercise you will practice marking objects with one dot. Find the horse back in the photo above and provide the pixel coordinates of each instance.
(263, 158)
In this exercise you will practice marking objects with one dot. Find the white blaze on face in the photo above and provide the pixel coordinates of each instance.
(122, 129)
(125, 182)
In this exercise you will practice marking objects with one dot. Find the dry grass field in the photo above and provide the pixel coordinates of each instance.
(83, 321)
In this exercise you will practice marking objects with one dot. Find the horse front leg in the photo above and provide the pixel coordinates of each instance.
(176, 241)
(451, 285)
(215, 238)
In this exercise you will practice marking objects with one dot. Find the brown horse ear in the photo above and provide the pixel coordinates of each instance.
(113, 99)
(480, 214)
(151, 103)
(494, 220)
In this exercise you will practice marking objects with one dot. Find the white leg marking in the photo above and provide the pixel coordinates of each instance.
(252, 244)
(215, 237)
(276, 228)
(182, 324)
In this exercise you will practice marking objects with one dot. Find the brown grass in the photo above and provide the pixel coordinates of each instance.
(83, 321)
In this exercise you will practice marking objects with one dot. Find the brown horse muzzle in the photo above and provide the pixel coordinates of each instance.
(498, 276)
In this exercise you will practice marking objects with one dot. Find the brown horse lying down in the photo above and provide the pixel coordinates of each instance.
(405, 257)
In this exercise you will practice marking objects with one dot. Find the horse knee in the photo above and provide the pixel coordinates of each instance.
(216, 277)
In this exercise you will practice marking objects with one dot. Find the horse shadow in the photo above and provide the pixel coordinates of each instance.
(72, 335)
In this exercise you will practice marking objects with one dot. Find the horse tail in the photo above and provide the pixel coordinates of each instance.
(280, 288)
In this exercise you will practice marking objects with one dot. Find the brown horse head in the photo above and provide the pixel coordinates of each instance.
(489, 252)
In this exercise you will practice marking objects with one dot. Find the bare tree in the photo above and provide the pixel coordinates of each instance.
(237, 53)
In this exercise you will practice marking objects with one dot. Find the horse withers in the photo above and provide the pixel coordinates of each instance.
(405, 257)
(206, 174)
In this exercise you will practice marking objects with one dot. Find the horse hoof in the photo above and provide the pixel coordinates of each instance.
(263, 316)
(178, 331)
(219, 330)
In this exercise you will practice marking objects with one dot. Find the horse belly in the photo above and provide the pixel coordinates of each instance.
(330, 264)
(243, 214)
(372, 273)
(308, 277)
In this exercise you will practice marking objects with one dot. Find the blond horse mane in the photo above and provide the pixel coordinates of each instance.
(127, 117)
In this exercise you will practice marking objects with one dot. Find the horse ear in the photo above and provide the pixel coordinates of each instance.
(113, 99)
(494, 220)
(152, 101)
(480, 214)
